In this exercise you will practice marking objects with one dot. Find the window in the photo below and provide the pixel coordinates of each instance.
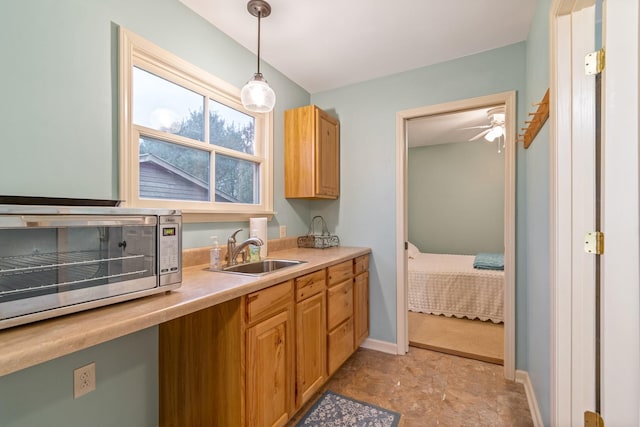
(185, 140)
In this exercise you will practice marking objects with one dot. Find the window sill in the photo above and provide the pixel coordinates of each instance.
(194, 216)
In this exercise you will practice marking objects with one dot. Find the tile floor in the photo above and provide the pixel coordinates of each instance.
(432, 389)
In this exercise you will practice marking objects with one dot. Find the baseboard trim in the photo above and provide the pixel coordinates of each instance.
(522, 377)
(382, 346)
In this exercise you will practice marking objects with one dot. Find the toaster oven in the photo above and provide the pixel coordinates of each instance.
(56, 260)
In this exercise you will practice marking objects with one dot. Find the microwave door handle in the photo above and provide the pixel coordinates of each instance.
(86, 220)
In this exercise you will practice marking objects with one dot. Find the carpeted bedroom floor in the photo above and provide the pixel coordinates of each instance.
(474, 339)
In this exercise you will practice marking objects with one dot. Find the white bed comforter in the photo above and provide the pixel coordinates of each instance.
(449, 285)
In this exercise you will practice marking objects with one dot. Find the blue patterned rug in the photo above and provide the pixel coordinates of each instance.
(334, 410)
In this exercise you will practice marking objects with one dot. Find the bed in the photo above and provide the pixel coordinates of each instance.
(449, 285)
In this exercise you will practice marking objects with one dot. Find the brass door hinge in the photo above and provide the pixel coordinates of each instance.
(594, 62)
(593, 419)
(594, 243)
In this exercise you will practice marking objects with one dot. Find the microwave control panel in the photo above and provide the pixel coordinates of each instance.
(170, 234)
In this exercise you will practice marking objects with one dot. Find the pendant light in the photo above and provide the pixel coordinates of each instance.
(256, 95)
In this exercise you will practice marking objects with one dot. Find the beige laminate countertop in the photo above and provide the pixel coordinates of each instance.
(29, 345)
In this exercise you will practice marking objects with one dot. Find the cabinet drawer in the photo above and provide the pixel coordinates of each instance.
(268, 301)
(340, 303)
(340, 345)
(361, 264)
(310, 284)
(340, 272)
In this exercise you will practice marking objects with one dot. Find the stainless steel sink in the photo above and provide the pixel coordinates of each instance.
(261, 267)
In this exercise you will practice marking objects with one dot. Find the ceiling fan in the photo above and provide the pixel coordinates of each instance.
(493, 130)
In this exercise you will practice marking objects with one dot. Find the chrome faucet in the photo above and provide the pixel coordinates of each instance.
(233, 250)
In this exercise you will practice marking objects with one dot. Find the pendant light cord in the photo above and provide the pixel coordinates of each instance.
(259, 16)
(256, 95)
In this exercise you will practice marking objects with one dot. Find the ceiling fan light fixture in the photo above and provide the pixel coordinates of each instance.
(256, 95)
(495, 128)
(495, 132)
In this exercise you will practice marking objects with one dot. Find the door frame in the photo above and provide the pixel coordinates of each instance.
(620, 271)
(572, 205)
(509, 101)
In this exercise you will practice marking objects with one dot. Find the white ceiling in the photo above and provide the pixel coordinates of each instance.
(323, 45)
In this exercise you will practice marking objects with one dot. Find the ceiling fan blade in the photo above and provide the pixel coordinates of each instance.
(477, 127)
(480, 135)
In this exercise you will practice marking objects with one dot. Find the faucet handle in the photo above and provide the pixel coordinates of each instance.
(232, 238)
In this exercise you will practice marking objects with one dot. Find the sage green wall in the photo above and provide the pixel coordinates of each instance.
(535, 242)
(59, 121)
(455, 198)
(126, 388)
(59, 138)
(59, 113)
(365, 213)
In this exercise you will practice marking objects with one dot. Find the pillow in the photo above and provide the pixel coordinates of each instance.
(412, 251)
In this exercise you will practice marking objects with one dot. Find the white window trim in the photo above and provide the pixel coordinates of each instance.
(135, 50)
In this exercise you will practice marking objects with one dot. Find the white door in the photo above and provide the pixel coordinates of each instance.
(580, 381)
(620, 323)
(573, 205)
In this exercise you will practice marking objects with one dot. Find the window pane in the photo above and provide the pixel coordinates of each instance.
(171, 171)
(237, 181)
(231, 128)
(165, 106)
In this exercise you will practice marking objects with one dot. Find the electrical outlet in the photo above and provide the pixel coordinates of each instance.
(84, 380)
(283, 231)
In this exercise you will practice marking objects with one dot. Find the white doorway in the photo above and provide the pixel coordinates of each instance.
(508, 100)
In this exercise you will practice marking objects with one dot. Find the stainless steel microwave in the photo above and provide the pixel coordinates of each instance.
(57, 260)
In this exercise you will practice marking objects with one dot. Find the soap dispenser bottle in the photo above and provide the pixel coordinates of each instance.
(214, 255)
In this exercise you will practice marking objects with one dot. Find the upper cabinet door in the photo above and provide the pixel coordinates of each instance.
(312, 154)
(327, 155)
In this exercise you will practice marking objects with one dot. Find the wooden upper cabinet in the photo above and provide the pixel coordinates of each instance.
(312, 154)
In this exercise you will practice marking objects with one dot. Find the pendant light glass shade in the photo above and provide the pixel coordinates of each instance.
(257, 96)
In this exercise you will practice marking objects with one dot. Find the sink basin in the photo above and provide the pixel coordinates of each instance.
(261, 267)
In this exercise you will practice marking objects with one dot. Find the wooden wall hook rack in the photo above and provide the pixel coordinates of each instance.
(534, 125)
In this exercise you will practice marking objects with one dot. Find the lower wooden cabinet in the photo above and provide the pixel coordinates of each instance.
(311, 347)
(268, 371)
(360, 308)
(340, 314)
(340, 303)
(340, 343)
(311, 334)
(360, 300)
(200, 369)
(255, 360)
(269, 358)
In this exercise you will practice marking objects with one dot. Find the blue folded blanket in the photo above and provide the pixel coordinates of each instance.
(487, 261)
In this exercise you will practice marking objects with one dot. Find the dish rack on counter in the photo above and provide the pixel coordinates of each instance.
(318, 236)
